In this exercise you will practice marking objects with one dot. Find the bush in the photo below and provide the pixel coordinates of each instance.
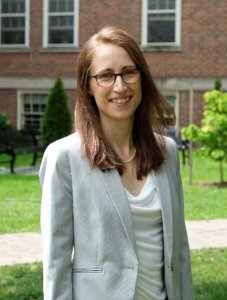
(4, 121)
(57, 119)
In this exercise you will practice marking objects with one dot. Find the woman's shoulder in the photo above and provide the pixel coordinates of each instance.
(67, 143)
(66, 146)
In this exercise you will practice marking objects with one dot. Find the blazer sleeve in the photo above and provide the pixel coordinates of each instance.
(56, 224)
(186, 285)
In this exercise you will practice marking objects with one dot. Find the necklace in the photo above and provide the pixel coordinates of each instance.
(130, 159)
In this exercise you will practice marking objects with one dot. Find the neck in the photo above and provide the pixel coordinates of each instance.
(119, 134)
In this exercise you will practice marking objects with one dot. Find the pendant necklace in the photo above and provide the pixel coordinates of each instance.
(130, 159)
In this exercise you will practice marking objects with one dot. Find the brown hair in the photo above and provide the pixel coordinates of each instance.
(150, 117)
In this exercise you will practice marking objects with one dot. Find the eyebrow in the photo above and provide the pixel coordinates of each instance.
(112, 71)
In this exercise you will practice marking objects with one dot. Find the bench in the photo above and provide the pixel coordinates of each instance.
(182, 143)
(14, 142)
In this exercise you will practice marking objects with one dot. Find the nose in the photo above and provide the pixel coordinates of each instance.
(119, 83)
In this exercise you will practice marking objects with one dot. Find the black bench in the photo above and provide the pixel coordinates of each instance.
(14, 142)
(182, 143)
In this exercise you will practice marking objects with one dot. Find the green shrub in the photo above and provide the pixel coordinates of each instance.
(4, 121)
(57, 119)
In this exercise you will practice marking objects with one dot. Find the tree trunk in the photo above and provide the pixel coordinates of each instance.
(221, 171)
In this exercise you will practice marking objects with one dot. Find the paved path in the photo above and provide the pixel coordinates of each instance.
(26, 247)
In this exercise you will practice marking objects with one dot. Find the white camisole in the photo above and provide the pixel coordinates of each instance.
(147, 218)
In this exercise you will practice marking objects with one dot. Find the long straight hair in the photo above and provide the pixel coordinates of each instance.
(151, 117)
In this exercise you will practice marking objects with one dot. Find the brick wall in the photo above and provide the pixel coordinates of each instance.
(8, 104)
(203, 51)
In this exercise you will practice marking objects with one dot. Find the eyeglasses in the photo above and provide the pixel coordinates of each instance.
(107, 79)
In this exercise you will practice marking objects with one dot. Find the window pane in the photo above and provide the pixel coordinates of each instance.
(13, 6)
(61, 37)
(61, 30)
(161, 4)
(161, 28)
(61, 5)
(33, 109)
(13, 30)
(171, 99)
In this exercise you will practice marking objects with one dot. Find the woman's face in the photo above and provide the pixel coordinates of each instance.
(120, 100)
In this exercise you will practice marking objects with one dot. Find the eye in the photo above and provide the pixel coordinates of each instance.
(105, 76)
(130, 72)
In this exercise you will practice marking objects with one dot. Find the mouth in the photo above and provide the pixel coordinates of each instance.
(120, 100)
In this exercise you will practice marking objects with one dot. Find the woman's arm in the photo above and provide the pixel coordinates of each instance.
(56, 224)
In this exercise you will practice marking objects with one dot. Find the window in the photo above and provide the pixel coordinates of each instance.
(161, 22)
(173, 100)
(60, 23)
(14, 23)
(31, 110)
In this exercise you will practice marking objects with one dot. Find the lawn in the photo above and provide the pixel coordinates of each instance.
(202, 201)
(209, 268)
(20, 209)
(20, 196)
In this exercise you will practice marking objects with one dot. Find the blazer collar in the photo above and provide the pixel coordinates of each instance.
(163, 189)
(117, 195)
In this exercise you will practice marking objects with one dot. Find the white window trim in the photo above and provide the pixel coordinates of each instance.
(46, 26)
(27, 27)
(177, 26)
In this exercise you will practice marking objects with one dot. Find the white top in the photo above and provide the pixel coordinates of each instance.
(147, 218)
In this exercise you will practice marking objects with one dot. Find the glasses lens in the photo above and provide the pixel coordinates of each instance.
(105, 79)
(131, 76)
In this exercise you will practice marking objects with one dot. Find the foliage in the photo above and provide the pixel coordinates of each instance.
(213, 130)
(4, 121)
(57, 119)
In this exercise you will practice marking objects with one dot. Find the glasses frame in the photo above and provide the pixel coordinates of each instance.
(115, 77)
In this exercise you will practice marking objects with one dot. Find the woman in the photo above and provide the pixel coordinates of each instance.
(112, 204)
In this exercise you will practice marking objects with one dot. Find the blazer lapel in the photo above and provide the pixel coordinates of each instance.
(117, 195)
(163, 190)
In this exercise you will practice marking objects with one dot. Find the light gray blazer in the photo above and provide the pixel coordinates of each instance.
(87, 210)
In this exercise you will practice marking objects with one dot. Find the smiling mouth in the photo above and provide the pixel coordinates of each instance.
(120, 100)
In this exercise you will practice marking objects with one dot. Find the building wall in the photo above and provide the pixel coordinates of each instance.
(191, 67)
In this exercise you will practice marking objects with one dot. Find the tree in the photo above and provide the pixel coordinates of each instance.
(57, 119)
(213, 130)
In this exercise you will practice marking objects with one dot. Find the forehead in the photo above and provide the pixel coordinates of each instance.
(109, 56)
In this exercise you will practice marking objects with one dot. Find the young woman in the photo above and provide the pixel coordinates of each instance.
(112, 205)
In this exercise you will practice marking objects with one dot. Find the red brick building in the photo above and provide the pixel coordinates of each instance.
(184, 43)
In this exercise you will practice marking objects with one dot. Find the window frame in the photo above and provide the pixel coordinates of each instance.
(20, 103)
(26, 15)
(176, 95)
(145, 13)
(46, 26)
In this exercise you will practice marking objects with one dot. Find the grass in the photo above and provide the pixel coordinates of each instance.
(20, 196)
(20, 200)
(203, 201)
(21, 282)
(19, 203)
(209, 269)
(20, 209)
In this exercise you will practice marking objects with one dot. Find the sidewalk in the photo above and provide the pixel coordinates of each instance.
(26, 247)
